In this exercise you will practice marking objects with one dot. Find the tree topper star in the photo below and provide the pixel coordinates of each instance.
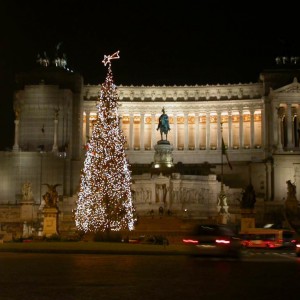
(107, 58)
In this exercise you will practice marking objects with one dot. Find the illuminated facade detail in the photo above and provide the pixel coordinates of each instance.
(245, 129)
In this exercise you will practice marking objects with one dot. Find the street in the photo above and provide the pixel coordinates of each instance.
(258, 275)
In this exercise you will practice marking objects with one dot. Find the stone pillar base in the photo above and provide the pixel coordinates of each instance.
(223, 218)
(27, 211)
(247, 218)
(247, 223)
(50, 221)
(163, 154)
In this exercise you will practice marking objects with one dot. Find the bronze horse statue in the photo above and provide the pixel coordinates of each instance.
(163, 124)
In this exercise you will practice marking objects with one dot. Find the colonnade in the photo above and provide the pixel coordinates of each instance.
(241, 129)
(286, 125)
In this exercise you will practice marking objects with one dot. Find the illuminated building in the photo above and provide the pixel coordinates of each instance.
(55, 112)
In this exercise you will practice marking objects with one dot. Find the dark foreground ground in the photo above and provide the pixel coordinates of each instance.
(61, 276)
(93, 247)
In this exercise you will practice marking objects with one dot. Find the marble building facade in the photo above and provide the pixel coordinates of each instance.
(54, 115)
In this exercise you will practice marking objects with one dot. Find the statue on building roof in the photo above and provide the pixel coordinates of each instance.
(43, 60)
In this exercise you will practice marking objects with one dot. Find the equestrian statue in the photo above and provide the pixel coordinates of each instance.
(163, 124)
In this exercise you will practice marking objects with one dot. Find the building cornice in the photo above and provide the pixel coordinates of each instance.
(179, 108)
(180, 93)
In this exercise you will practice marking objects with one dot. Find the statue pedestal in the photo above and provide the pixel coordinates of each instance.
(163, 142)
(291, 204)
(223, 218)
(50, 221)
(247, 218)
(163, 154)
(27, 210)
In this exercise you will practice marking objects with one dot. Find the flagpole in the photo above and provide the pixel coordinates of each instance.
(222, 189)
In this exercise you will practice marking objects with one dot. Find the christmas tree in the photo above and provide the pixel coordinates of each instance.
(104, 199)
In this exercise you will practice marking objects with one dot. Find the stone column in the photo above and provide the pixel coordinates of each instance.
(252, 129)
(297, 144)
(175, 132)
(54, 148)
(219, 136)
(142, 131)
(153, 131)
(241, 129)
(186, 131)
(289, 121)
(274, 133)
(263, 127)
(230, 130)
(16, 143)
(131, 132)
(294, 129)
(197, 131)
(279, 124)
(207, 130)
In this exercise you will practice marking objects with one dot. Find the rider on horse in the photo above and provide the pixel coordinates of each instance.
(163, 124)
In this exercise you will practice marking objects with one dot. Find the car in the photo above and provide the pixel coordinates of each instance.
(297, 248)
(214, 240)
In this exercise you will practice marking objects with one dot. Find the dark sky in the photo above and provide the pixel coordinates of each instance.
(160, 42)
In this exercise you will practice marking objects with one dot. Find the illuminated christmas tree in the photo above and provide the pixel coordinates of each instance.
(104, 199)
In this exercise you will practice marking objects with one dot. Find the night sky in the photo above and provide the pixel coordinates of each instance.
(160, 42)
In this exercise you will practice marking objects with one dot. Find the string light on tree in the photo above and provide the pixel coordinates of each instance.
(104, 199)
